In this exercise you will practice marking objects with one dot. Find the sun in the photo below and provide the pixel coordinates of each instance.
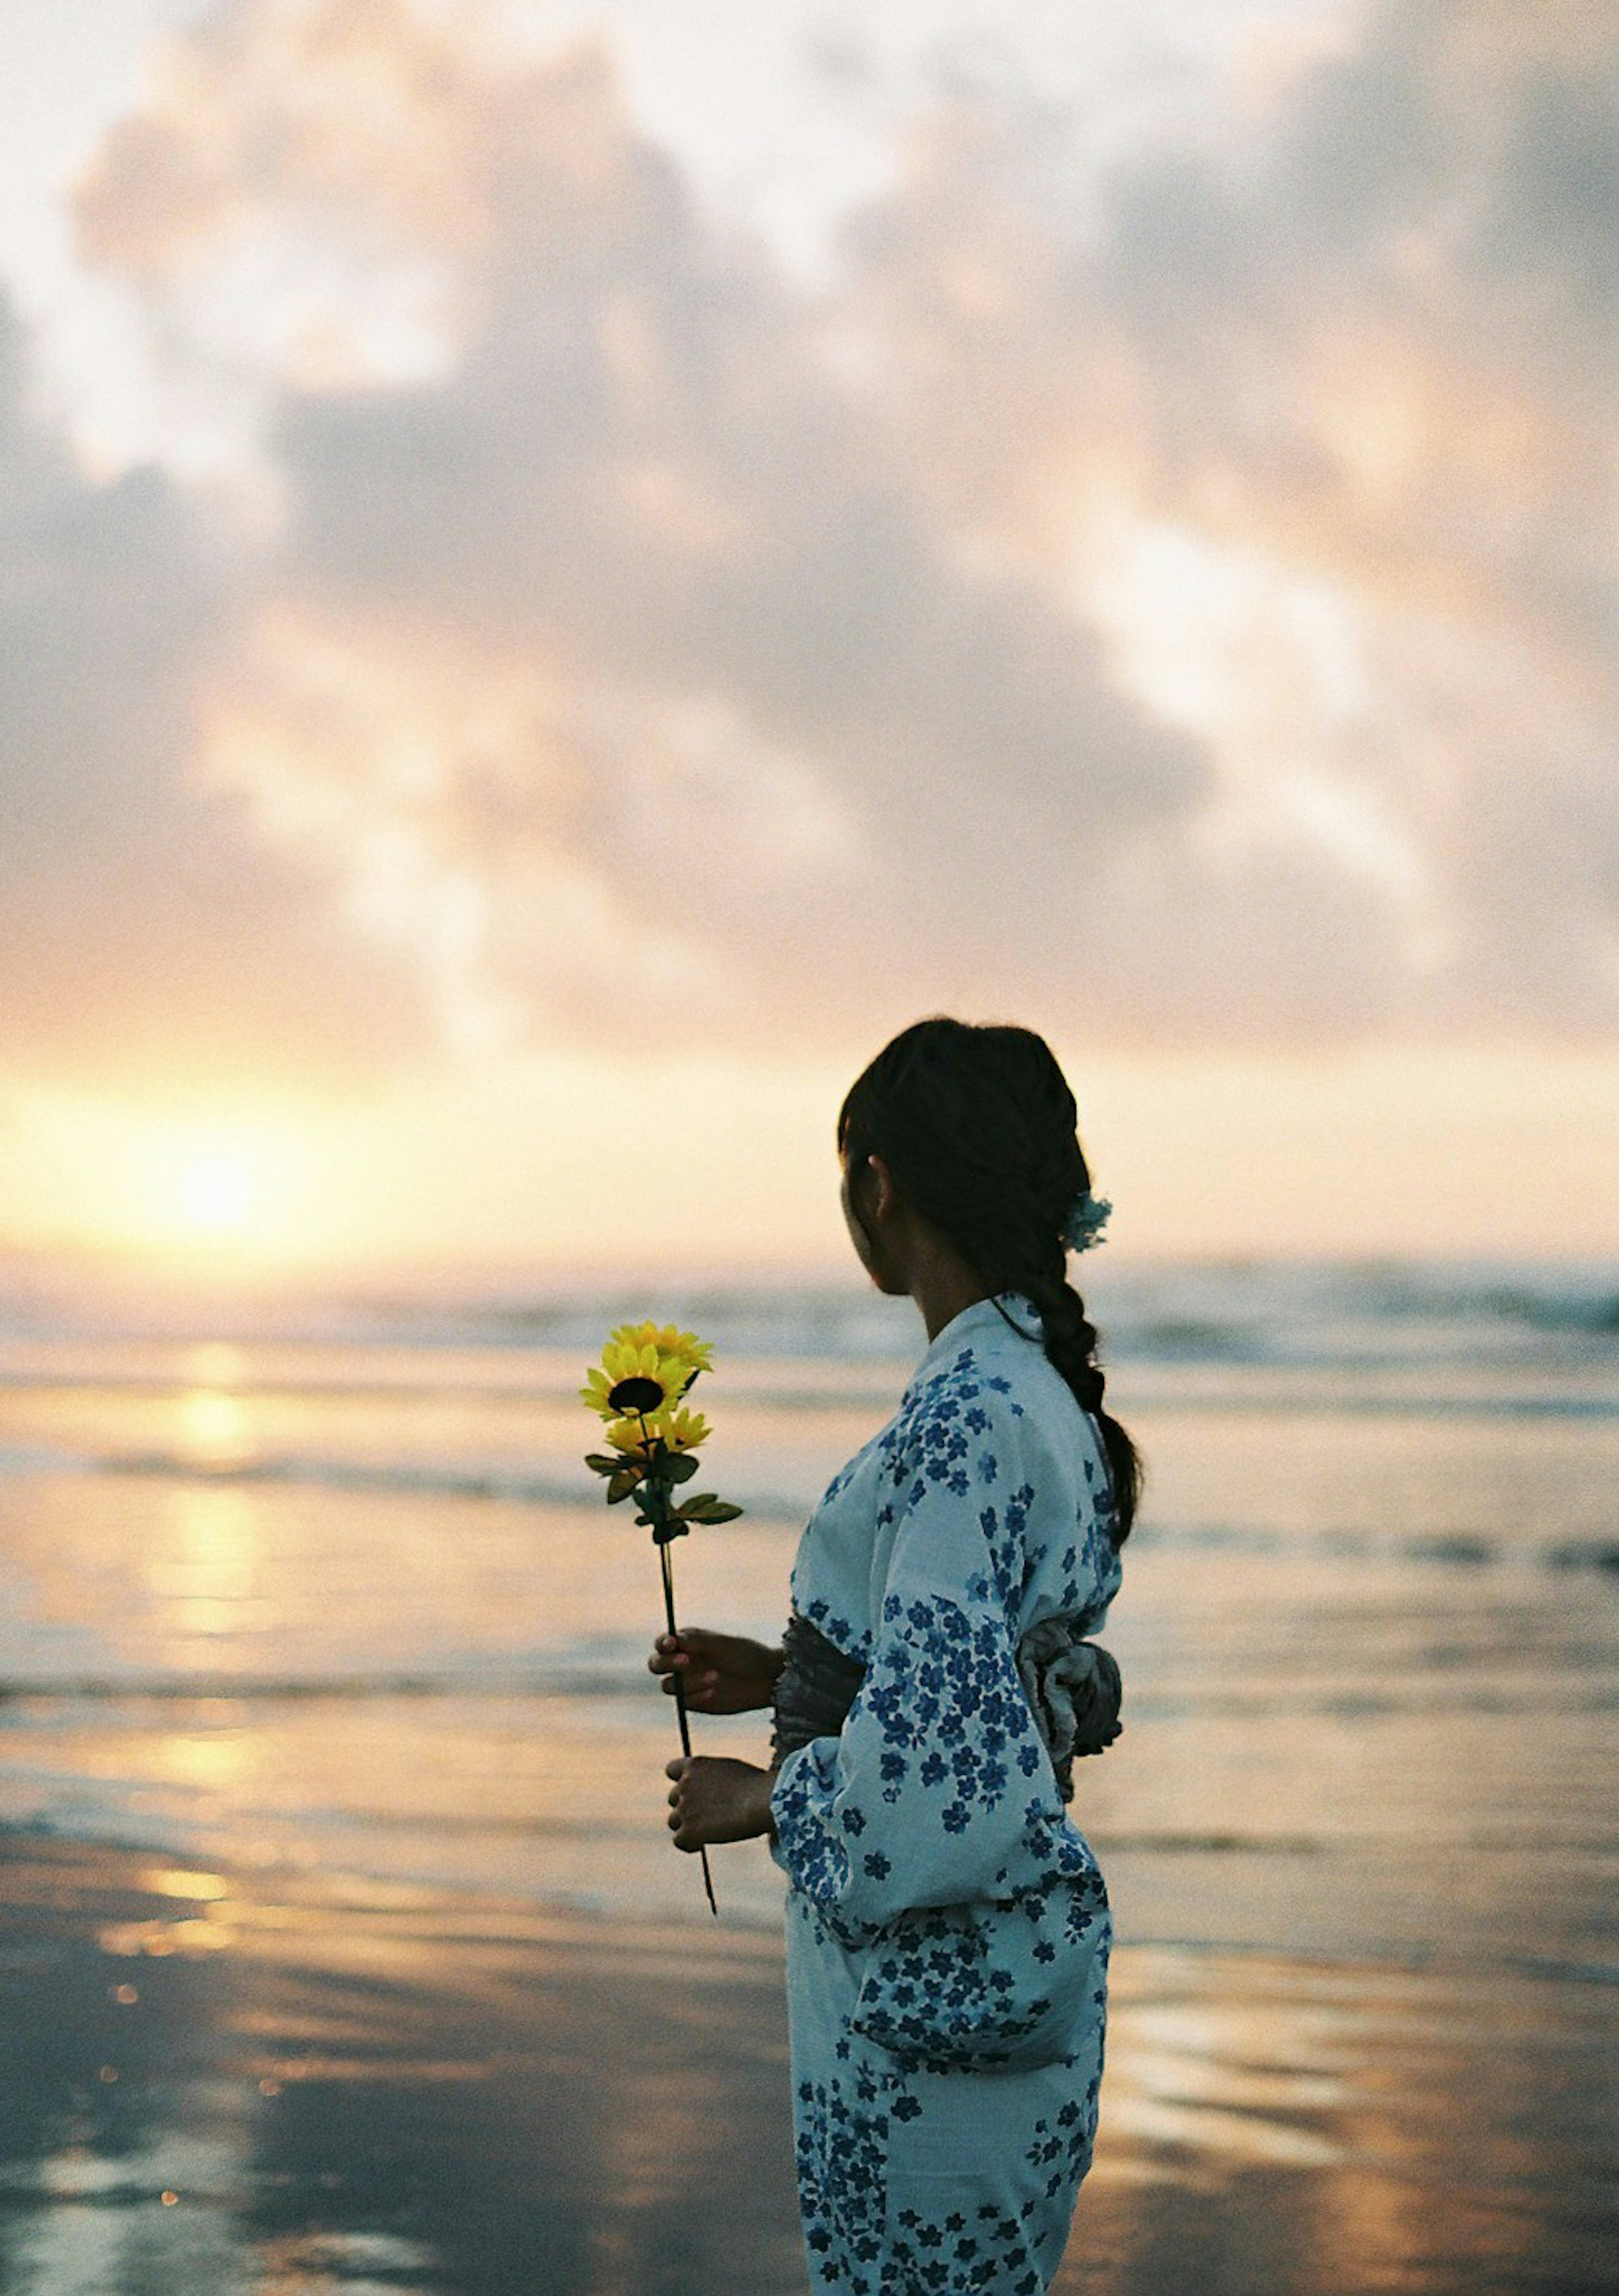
(213, 1194)
(225, 1189)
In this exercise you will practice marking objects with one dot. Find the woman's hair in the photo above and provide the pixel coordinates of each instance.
(977, 1126)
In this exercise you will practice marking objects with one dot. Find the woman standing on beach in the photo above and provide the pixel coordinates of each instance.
(946, 1925)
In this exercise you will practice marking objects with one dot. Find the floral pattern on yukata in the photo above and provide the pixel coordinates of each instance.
(949, 1927)
(865, 2239)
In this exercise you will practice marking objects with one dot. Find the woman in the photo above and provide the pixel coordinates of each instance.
(946, 1925)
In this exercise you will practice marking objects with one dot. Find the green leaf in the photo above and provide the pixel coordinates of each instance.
(706, 1508)
(606, 1462)
(625, 1480)
(680, 1466)
(664, 1532)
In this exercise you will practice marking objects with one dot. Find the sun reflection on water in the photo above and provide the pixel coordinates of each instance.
(214, 1429)
(206, 1576)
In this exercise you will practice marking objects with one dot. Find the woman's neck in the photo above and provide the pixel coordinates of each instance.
(943, 1288)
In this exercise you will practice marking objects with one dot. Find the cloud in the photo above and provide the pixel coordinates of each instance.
(145, 932)
(1170, 602)
(1319, 418)
(782, 731)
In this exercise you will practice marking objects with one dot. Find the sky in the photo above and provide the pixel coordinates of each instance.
(565, 572)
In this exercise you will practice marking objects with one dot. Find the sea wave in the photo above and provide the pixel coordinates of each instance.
(558, 1484)
(451, 1479)
(1457, 1550)
(473, 1677)
(1184, 1311)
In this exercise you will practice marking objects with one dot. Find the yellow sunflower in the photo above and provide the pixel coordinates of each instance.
(673, 1344)
(677, 1429)
(626, 1359)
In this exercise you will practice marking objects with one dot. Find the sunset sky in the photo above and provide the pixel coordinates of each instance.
(566, 570)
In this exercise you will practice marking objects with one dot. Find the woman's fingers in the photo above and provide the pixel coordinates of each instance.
(684, 1652)
(676, 1664)
(676, 1769)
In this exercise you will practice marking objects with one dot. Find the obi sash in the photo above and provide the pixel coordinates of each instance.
(1073, 1688)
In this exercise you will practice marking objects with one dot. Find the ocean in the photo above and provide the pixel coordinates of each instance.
(327, 1583)
(324, 1580)
(316, 1587)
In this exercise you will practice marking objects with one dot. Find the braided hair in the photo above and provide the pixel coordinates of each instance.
(977, 1124)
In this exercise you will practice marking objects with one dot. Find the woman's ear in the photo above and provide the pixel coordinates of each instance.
(884, 1195)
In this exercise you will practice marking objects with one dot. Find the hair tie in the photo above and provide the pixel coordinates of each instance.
(1086, 1218)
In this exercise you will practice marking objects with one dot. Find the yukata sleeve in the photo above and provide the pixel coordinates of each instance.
(938, 1789)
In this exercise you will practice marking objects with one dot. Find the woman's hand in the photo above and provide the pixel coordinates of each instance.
(723, 1674)
(714, 1799)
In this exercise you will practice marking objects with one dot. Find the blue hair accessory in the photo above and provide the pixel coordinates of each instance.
(1087, 1218)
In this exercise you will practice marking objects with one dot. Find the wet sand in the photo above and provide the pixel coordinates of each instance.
(262, 2084)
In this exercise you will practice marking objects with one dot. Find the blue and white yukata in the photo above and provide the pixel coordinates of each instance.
(947, 1929)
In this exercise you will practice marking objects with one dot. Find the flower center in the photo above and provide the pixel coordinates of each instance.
(634, 1397)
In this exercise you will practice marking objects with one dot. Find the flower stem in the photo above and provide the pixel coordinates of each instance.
(657, 1505)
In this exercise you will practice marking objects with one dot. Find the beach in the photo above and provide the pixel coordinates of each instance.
(336, 1902)
(214, 2084)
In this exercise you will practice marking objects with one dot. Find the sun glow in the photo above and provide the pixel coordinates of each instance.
(221, 1187)
(215, 1195)
(240, 1186)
